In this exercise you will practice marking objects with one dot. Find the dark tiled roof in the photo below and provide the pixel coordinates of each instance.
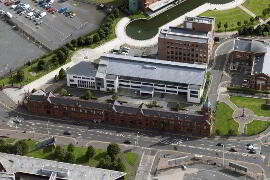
(117, 108)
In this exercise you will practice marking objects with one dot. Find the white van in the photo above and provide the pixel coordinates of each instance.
(43, 14)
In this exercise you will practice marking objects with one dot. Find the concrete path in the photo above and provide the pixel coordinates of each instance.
(263, 22)
(249, 12)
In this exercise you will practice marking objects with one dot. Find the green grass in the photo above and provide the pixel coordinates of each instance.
(10, 140)
(231, 16)
(224, 121)
(256, 127)
(257, 6)
(145, 29)
(139, 15)
(253, 104)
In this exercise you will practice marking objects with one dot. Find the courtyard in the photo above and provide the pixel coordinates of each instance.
(159, 101)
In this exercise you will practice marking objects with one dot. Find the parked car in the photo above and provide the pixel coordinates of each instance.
(233, 149)
(127, 142)
(62, 10)
(220, 144)
(250, 147)
(252, 151)
(67, 133)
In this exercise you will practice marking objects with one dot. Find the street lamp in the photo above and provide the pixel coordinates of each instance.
(48, 127)
(223, 155)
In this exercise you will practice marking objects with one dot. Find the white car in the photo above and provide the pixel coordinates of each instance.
(250, 147)
(13, 6)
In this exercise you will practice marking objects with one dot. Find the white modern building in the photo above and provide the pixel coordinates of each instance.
(145, 75)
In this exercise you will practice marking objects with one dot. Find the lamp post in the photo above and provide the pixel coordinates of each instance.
(48, 127)
(223, 155)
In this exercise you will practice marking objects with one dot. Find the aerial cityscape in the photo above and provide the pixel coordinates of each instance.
(134, 89)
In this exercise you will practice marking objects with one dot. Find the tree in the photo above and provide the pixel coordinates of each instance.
(63, 92)
(115, 97)
(61, 57)
(62, 74)
(113, 149)
(257, 18)
(59, 153)
(74, 43)
(70, 148)
(225, 26)
(21, 147)
(65, 50)
(178, 107)
(239, 23)
(40, 65)
(218, 132)
(19, 76)
(3, 145)
(219, 25)
(120, 166)
(102, 34)
(251, 20)
(90, 153)
(116, 12)
(70, 158)
(245, 22)
(88, 40)
(96, 38)
(81, 41)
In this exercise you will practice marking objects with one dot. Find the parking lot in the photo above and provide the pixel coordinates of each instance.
(53, 30)
(11, 42)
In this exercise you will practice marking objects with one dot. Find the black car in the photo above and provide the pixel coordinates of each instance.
(67, 133)
(233, 149)
(220, 144)
(127, 142)
(252, 151)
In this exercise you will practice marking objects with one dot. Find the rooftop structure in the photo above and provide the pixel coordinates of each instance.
(46, 168)
(142, 74)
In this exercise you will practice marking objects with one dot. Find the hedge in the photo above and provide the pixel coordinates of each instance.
(246, 90)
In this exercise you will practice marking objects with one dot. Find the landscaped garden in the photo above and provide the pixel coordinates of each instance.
(145, 29)
(224, 123)
(254, 104)
(112, 159)
(256, 127)
(257, 7)
(231, 17)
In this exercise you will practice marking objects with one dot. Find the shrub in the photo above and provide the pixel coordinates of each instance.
(96, 38)
(40, 65)
(74, 43)
(70, 148)
(33, 90)
(62, 74)
(19, 75)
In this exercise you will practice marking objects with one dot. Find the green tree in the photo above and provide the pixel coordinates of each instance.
(245, 22)
(251, 20)
(81, 41)
(239, 23)
(65, 50)
(225, 26)
(3, 145)
(61, 57)
(96, 38)
(74, 43)
(219, 25)
(116, 12)
(21, 147)
(120, 166)
(19, 76)
(115, 97)
(90, 153)
(218, 132)
(63, 92)
(62, 74)
(257, 18)
(70, 148)
(70, 158)
(88, 40)
(59, 153)
(113, 149)
(40, 65)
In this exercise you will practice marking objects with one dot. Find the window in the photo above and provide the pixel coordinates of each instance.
(71, 80)
(194, 96)
(194, 92)
(74, 76)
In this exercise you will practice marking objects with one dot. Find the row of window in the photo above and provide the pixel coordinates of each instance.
(91, 111)
(78, 77)
(179, 58)
(86, 84)
(192, 55)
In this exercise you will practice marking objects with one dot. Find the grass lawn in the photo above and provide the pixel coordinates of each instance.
(253, 104)
(231, 16)
(256, 127)
(257, 6)
(131, 160)
(224, 121)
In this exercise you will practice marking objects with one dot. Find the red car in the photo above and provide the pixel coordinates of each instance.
(52, 10)
(8, 3)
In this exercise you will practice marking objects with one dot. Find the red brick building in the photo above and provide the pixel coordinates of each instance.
(252, 58)
(140, 117)
(191, 44)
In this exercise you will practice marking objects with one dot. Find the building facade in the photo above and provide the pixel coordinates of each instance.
(251, 58)
(147, 76)
(191, 44)
(117, 114)
(133, 6)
